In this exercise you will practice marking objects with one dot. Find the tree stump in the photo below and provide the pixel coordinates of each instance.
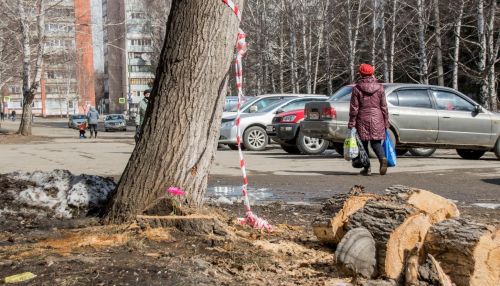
(190, 224)
(437, 207)
(328, 226)
(396, 228)
(468, 252)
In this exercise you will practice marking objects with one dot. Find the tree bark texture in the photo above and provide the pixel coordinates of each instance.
(468, 252)
(456, 49)
(181, 128)
(29, 88)
(483, 54)
(439, 46)
(424, 70)
(492, 57)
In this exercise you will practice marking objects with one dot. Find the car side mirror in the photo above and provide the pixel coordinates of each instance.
(477, 108)
(254, 109)
(279, 111)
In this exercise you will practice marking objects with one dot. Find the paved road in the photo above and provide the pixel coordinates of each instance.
(274, 173)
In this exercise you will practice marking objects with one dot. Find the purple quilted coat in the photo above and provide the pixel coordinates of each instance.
(368, 111)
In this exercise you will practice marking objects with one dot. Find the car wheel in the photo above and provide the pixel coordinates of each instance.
(339, 148)
(311, 146)
(470, 154)
(106, 130)
(401, 152)
(290, 149)
(422, 152)
(497, 148)
(255, 138)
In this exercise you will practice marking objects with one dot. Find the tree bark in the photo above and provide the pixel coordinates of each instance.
(468, 252)
(393, 40)
(439, 48)
(492, 57)
(384, 41)
(483, 54)
(181, 128)
(422, 58)
(30, 88)
(456, 49)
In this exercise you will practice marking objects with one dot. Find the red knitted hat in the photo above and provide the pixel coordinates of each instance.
(366, 70)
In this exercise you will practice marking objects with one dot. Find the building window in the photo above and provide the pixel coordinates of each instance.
(140, 42)
(141, 81)
(137, 15)
(139, 68)
(15, 89)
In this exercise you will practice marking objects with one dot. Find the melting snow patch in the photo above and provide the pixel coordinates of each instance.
(58, 193)
(488, 206)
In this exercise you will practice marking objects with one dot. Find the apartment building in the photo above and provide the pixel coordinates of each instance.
(68, 79)
(127, 53)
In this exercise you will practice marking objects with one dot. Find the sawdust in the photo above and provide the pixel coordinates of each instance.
(158, 234)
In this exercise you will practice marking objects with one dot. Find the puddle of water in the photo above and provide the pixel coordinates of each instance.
(488, 206)
(233, 193)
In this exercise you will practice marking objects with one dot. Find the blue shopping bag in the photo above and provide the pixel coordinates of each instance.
(390, 153)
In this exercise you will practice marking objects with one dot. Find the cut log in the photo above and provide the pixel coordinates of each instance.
(397, 228)
(468, 252)
(329, 225)
(437, 207)
(357, 253)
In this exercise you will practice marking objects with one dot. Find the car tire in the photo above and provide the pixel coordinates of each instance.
(422, 152)
(497, 149)
(106, 130)
(255, 138)
(311, 146)
(401, 152)
(372, 154)
(470, 154)
(290, 149)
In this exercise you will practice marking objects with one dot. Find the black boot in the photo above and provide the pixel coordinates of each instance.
(91, 134)
(366, 171)
(95, 134)
(383, 166)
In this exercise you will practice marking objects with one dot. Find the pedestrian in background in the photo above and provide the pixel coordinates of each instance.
(93, 118)
(141, 113)
(369, 115)
(2, 115)
(13, 115)
(81, 129)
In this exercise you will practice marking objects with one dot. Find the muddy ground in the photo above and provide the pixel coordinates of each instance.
(83, 252)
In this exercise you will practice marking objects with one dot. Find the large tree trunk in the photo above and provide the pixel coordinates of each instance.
(468, 252)
(483, 55)
(30, 88)
(181, 128)
(492, 57)
(393, 40)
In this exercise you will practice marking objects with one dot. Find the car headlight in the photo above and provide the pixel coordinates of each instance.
(289, 118)
(228, 124)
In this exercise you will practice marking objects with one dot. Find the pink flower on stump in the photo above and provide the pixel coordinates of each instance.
(176, 191)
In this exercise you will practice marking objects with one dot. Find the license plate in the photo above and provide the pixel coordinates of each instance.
(313, 115)
(270, 128)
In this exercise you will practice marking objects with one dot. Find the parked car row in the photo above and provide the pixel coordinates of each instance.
(422, 118)
(112, 122)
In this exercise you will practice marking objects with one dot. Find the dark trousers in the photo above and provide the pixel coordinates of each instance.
(82, 133)
(93, 129)
(377, 148)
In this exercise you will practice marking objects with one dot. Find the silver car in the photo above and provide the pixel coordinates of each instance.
(253, 125)
(76, 120)
(115, 122)
(421, 116)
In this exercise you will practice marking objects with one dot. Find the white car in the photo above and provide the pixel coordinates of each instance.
(257, 103)
(253, 125)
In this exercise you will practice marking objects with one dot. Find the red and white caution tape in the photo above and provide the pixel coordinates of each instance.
(241, 47)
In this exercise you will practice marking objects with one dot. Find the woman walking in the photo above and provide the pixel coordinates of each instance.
(368, 114)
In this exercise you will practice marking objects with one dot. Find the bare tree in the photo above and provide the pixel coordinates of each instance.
(439, 45)
(422, 57)
(180, 131)
(31, 78)
(456, 46)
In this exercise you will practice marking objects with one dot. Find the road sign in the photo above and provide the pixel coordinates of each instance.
(122, 100)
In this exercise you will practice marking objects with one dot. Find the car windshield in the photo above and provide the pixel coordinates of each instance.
(244, 106)
(78, 117)
(342, 95)
(114, 117)
(273, 106)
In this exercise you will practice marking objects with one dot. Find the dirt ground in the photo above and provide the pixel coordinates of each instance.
(83, 252)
